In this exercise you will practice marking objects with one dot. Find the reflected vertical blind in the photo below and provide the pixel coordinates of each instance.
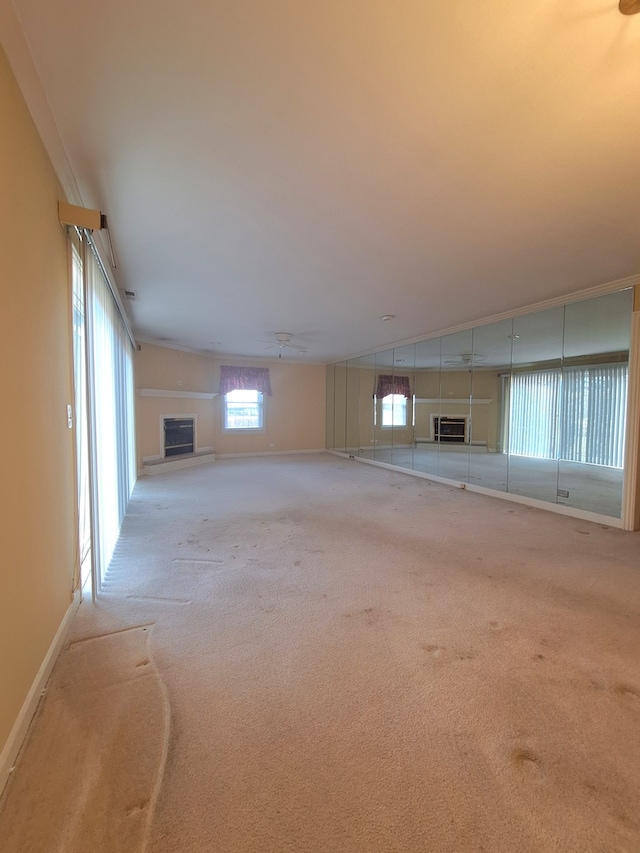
(594, 413)
(575, 414)
(533, 416)
(111, 411)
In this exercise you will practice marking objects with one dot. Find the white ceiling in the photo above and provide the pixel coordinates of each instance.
(308, 166)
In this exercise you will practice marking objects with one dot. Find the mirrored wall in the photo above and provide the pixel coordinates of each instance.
(534, 405)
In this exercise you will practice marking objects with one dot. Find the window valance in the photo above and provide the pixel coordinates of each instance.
(244, 379)
(388, 384)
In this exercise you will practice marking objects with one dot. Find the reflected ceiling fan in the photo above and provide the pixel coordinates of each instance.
(465, 359)
(283, 341)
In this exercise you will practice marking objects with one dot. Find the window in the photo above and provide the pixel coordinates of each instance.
(394, 410)
(243, 410)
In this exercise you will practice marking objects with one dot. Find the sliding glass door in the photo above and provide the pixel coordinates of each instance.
(104, 392)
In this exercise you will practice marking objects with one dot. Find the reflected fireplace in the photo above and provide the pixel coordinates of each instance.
(449, 429)
(178, 436)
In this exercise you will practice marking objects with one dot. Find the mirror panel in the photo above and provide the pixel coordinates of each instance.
(534, 404)
(353, 408)
(382, 434)
(426, 391)
(488, 460)
(452, 428)
(330, 414)
(340, 406)
(594, 394)
(362, 371)
(402, 414)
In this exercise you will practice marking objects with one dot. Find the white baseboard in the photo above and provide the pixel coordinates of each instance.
(21, 726)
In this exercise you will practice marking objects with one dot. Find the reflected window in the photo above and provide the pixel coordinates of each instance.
(394, 410)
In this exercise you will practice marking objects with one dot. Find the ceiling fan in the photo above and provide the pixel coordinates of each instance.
(465, 359)
(283, 341)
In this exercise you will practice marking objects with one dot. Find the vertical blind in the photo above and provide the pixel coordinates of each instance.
(111, 412)
(82, 431)
(575, 414)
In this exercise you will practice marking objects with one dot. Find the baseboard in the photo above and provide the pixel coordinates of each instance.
(269, 453)
(21, 726)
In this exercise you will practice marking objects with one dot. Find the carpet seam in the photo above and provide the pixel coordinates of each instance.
(155, 794)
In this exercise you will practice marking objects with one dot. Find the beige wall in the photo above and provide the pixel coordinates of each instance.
(37, 522)
(294, 415)
(166, 369)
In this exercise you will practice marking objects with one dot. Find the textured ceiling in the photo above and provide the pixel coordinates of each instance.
(308, 167)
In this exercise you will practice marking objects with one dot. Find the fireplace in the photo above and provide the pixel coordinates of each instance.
(178, 436)
(449, 429)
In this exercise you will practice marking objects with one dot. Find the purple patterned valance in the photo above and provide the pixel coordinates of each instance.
(244, 379)
(388, 384)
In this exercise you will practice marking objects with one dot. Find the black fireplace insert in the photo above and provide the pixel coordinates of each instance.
(178, 436)
(449, 429)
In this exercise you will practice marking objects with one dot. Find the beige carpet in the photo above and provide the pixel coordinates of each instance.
(352, 659)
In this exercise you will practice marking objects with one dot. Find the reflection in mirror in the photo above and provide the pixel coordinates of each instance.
(382, 433)
(330, 416)
(340, 406)
(427, 404)
(535, 406)
(594, 401)
(532, 396)
(360, 387)
(452, 428)
(353, 407)
(488, 461)
(397, 408)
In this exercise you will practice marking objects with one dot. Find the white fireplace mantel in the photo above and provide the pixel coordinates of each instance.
(179, 395)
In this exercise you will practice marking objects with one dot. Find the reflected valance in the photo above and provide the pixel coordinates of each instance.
(388, 384)
(244, 379)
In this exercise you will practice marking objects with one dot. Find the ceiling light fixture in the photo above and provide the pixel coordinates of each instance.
(386, 317)
(629, 7)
